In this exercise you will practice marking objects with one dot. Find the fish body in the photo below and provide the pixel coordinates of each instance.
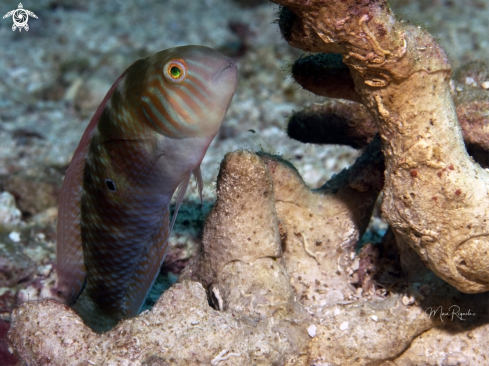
(144, 142)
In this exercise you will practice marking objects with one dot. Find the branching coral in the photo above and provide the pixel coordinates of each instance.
(403, 77)
(349, 123)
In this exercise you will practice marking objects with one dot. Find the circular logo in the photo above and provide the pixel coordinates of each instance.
(20, 18)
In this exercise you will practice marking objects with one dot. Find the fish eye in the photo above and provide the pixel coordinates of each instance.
(175, 71)
(110, 185)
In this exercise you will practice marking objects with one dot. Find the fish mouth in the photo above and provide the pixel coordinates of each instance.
(229, 65)
(229, 68)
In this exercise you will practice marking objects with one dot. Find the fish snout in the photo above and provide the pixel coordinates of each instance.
(228, 72)
(229, 65)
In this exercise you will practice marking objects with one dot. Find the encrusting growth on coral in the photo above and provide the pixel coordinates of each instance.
(267, 296)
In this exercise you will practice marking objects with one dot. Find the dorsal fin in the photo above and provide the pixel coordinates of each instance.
(70, 265)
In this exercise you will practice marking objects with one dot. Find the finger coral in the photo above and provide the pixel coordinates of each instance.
(403, 77)
(347, 123)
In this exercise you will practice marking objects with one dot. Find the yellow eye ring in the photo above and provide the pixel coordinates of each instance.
(175, 71)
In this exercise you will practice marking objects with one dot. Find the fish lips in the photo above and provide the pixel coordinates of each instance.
(227, 73)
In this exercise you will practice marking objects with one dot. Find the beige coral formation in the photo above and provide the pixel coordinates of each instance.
(435, 196)
(276, 299)
(324, 226)
(279, 279)
(180, 330)
(337, 121)
(242, 240)
(283, 234)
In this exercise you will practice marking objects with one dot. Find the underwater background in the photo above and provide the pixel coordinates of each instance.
(54, 76)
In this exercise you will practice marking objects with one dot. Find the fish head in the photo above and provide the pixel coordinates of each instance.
(188, 91)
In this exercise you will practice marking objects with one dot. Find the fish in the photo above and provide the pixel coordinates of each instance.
(143, 144)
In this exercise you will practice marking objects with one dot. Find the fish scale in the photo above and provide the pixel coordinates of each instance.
(148, 136)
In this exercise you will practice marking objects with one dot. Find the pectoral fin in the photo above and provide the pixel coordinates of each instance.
(182, 188)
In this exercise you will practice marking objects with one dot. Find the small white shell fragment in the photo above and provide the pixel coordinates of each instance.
(356, 264)
(374, 318)
(312, 330)
(485, 85)
(9, 213)
(14, 236)
(344, 325)
(336, 312)
(27, 294)
(408, 300)
(44, 270)
(452, 85)
(194, 322)
(470, 81)
(40, 237)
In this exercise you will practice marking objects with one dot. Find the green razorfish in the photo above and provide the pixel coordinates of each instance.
(147, 137)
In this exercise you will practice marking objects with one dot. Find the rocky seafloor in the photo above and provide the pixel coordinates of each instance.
(53, 77)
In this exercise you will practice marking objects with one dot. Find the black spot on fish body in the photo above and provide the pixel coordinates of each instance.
(110, 185)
